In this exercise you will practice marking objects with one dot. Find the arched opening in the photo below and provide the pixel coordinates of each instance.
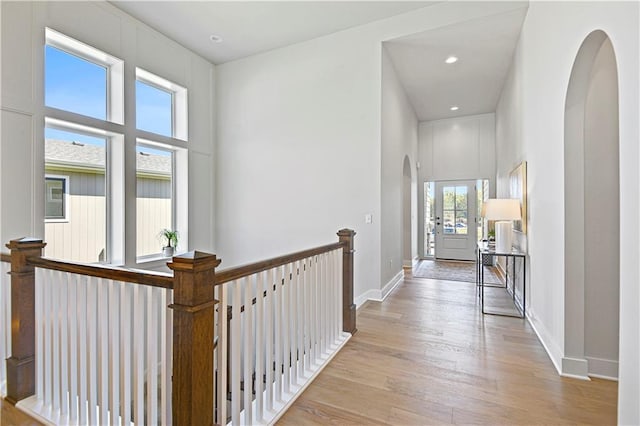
(592, 212)
(407, 259)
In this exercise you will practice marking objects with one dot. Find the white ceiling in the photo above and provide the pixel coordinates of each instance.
(485, 50)
(484, 46)
(250, 27)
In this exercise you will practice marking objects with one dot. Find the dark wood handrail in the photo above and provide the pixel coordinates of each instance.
(5, 257)
(150, 278)
(226, 275)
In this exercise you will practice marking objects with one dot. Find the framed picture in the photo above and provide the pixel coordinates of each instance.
(518, 189)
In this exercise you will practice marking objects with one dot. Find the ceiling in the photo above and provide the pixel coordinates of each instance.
(250, 27)
(484, 46)
(485, 49)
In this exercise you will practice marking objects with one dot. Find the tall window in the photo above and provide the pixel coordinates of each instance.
(161, 112)
(86, 218)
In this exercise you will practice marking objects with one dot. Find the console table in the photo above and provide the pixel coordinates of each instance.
(484, 251)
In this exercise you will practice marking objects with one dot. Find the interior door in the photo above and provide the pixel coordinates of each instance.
(456, 230)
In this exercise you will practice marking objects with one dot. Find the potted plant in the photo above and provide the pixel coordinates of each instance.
(172, 241)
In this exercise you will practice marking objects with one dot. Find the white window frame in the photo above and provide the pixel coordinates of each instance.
(179, 195)
(65, 198)
(179, 113)
(113, 65)
(122, 139)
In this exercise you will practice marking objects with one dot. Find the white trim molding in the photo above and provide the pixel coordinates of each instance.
(379, 295)
(603, 368)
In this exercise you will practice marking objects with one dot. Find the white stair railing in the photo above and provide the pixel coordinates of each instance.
(102, 340)
(103, 351)
(284, 326)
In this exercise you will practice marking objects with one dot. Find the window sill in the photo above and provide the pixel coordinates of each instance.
(155, 262)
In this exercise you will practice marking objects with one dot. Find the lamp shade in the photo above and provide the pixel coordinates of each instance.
(501, 209)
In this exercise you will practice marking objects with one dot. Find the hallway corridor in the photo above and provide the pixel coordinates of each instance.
(427, 356)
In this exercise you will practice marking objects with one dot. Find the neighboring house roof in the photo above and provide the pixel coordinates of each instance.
(84, 155)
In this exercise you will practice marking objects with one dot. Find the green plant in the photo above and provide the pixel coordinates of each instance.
(171, 237)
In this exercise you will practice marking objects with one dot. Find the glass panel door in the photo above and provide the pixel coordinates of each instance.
(455, 221)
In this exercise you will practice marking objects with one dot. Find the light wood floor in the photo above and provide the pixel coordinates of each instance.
(11, 416)
(428, 356)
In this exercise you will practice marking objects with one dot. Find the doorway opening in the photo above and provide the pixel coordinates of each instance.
(452, 224)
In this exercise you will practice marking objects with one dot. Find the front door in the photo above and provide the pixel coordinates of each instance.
(456, 230)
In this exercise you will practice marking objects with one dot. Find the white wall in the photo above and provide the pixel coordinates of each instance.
(601, 217)
(22, 113)
(399, 140)
(461, 148)
(299, 141)
(530, 123)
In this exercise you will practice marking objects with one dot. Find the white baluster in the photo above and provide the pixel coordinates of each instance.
(302, 354)
(293, 309)
(234, 359)
(74, 320)
(248, 349)
(259, 321)
(92, 337)
(223, 343)
(138, 354)
(151, 402)
(48, 346)
(278, 332)
(83, 348)
(307, 315)
(114, 351)
(286, 328)
(313, 303)
(64, 345)
(126, 325)
(269, 323)
(103, 350)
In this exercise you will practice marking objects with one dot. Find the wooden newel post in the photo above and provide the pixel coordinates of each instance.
(348, 307)
(193, 334)
(21, 372)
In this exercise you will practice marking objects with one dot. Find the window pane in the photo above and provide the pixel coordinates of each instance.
(153, 109)
(461, 222)
(448, 197)
(154, 205)
(449, 222)
(429, 219)
(54, 198)
(81, 236)
(461, 198)
(75, 84)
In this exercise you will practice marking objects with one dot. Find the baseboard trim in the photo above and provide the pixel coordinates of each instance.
(365, 297)
(554, 353)
(576, 368)
(388, 288)
(603, 368)
(379, 295)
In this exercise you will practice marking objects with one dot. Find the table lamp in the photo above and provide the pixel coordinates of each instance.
(503, 211)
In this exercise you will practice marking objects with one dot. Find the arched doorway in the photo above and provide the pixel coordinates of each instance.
(592, 212)
(407, 258)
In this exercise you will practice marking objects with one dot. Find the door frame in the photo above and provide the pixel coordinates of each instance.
(470, 238)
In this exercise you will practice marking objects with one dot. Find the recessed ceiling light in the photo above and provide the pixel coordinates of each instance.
(215, 38)
(451, 60)
(454, 108)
